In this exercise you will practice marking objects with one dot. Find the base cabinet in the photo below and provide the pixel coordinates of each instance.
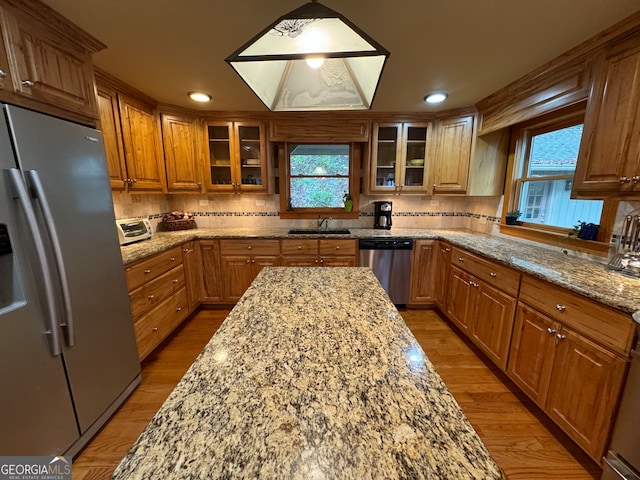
(441, 274)
(423, 287)
(319, 253)
(211, 284)
(193, 272)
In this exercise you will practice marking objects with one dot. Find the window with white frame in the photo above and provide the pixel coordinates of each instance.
(546, 156)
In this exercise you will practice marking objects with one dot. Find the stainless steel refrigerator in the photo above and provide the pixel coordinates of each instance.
(68, 356)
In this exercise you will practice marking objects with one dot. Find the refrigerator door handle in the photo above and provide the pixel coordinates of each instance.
(38, 190)
(21, 193)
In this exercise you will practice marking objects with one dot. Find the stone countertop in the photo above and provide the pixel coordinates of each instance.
(313, 374)
(583, 276)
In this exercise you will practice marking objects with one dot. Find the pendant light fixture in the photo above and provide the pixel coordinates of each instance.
(312, 58)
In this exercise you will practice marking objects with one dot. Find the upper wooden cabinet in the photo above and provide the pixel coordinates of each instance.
(130, 127)
(46, 63)
(609, 159)
(399, 157)
(237, 157)
(453, 154)
(425, 158)
(181, 153)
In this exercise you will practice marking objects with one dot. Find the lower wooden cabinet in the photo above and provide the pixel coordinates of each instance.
(242, 260)
(193, 272)
(211, 280)
(574, 380)
(324, 252)
(422, 288)
(441, 274)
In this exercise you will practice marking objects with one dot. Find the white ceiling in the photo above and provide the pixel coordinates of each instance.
(469, 48)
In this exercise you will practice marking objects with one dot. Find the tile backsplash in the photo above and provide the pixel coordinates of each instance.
(261, 210)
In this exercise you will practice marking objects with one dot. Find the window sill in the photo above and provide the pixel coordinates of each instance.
(559, 240)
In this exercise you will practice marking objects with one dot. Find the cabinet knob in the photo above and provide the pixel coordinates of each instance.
(172, 259)
(493, 274)
(154, 329)
(461, 259)
(134, 180)
(321, 260)
(551, 331)
(561, 308)
(299, 247)
(186, 250)
(249, 247)
(248, 261)
(636, 178)
(178, 309)
(561, 336)
(3, 73)
(316, 260)
(253, 261)
(337, 247)
(147, 270)
(175, 280)
(151, 297)
(447, 249)
(625, 179)
(27, 83)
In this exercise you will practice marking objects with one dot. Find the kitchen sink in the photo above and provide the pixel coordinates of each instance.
(315, 231)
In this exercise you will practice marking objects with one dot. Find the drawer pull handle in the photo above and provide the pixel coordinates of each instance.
(248, 261)
(172, 259)
(151, 297)
(551, 331)
(147, 271)
(561, 336)
(154, 329)
(249, 247)
(447, 249)
(299, 247)
(460, 259)
(625, 179)
(27, 83)
(561, 308)
(3, 73)
(493, 275)
(175, 280)
(178, 309)
(337, 247)
(186, 250)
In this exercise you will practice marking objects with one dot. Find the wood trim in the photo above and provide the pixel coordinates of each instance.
(562, 241)
(106, 79)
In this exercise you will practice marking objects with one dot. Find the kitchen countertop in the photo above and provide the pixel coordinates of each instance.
(317, 378)
(580, 275)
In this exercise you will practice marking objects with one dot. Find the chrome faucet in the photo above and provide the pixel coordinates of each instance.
(323, 221)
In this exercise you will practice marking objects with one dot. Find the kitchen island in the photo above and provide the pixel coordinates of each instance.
(314, 374)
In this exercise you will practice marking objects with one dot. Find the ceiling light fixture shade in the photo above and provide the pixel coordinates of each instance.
(343, 71)
(436, 97)
(199, 96)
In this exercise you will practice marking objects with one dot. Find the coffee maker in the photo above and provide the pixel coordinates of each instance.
(382, 215)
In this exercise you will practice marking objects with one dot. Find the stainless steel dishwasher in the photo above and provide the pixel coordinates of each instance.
(390, 260)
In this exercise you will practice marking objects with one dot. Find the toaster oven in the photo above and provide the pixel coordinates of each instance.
(133, 229)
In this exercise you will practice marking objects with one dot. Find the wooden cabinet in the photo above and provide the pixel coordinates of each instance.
(569, 354)
(158, 295)
(306, 252)
(242, 260)
(211, 283)
(441, 274)
(193, 272)
(453, 154)
(423, 286)
(482, 302)
(131, 129)
(237, 157)
(400, 156)
(181, 153)
(609, 158)
(48, 62)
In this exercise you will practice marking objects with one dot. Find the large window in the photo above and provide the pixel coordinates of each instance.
(545, 155)
(317, 177)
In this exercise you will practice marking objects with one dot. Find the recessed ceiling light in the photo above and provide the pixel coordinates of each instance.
(199, 96)
(436, 97)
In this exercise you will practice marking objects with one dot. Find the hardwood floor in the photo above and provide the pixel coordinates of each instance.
(525, 444)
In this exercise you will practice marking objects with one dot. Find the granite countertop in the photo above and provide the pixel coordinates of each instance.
(313, 375)
(580, 275)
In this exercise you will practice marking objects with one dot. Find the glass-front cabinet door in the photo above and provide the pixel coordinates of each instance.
(399, 158)
(237, 156)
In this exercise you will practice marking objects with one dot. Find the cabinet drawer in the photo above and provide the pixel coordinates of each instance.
(156, 325)
(150, 268)
(249, 247)
(337, 247)
(602, 324)
(156, 291)
(499, 276)
(302, 246)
